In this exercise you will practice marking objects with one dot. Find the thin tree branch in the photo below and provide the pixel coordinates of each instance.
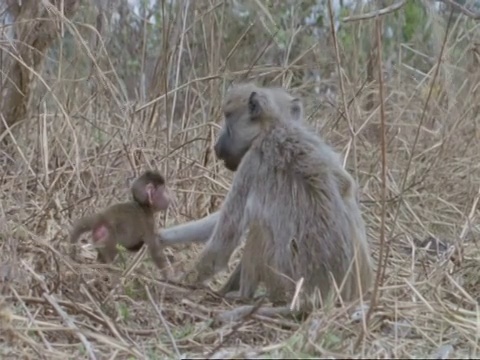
(373, 14)
(467, 12)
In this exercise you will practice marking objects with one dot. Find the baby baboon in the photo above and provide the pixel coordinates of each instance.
(130, 224)
(200, 230)
(286, 193)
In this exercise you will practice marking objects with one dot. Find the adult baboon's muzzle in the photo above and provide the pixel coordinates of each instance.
(222, 152)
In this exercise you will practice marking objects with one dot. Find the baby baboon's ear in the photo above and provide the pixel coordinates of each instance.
(254, 105)
(296, 109)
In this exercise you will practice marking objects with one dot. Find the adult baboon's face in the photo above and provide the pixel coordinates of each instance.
(240, 129)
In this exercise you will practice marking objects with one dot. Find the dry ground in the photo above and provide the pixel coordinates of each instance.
(79, 154)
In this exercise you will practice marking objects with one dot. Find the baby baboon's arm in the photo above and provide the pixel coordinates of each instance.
(193, 231)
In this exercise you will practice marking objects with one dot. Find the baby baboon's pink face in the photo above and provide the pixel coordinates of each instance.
(161, 197)
(151, 190)
(158, 196)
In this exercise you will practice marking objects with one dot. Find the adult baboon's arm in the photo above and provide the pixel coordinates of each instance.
(198, 231)
(227, 233)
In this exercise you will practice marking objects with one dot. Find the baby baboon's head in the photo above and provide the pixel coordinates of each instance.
(150, 190)
(249, 110)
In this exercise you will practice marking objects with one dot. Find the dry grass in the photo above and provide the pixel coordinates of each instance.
(83, 141)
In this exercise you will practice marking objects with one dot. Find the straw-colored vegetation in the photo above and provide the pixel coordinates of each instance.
(92, 96)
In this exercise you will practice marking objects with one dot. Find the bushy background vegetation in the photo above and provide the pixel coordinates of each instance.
(95, 91)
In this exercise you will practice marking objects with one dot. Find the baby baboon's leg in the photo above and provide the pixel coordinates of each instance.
(193, 231)
(107, 250)
(155, 250)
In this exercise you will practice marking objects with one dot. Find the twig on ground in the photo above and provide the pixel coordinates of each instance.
(162, 319)
(246, 315)
(69, 322)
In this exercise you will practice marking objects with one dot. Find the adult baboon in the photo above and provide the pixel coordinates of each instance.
(201, 230)
(286, 192)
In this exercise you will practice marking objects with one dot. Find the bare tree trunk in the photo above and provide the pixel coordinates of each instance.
(35, 28)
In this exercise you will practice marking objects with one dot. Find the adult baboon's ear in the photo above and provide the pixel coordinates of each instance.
(296, 109)
(254, 105)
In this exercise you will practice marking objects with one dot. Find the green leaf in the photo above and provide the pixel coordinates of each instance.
(414, 15)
